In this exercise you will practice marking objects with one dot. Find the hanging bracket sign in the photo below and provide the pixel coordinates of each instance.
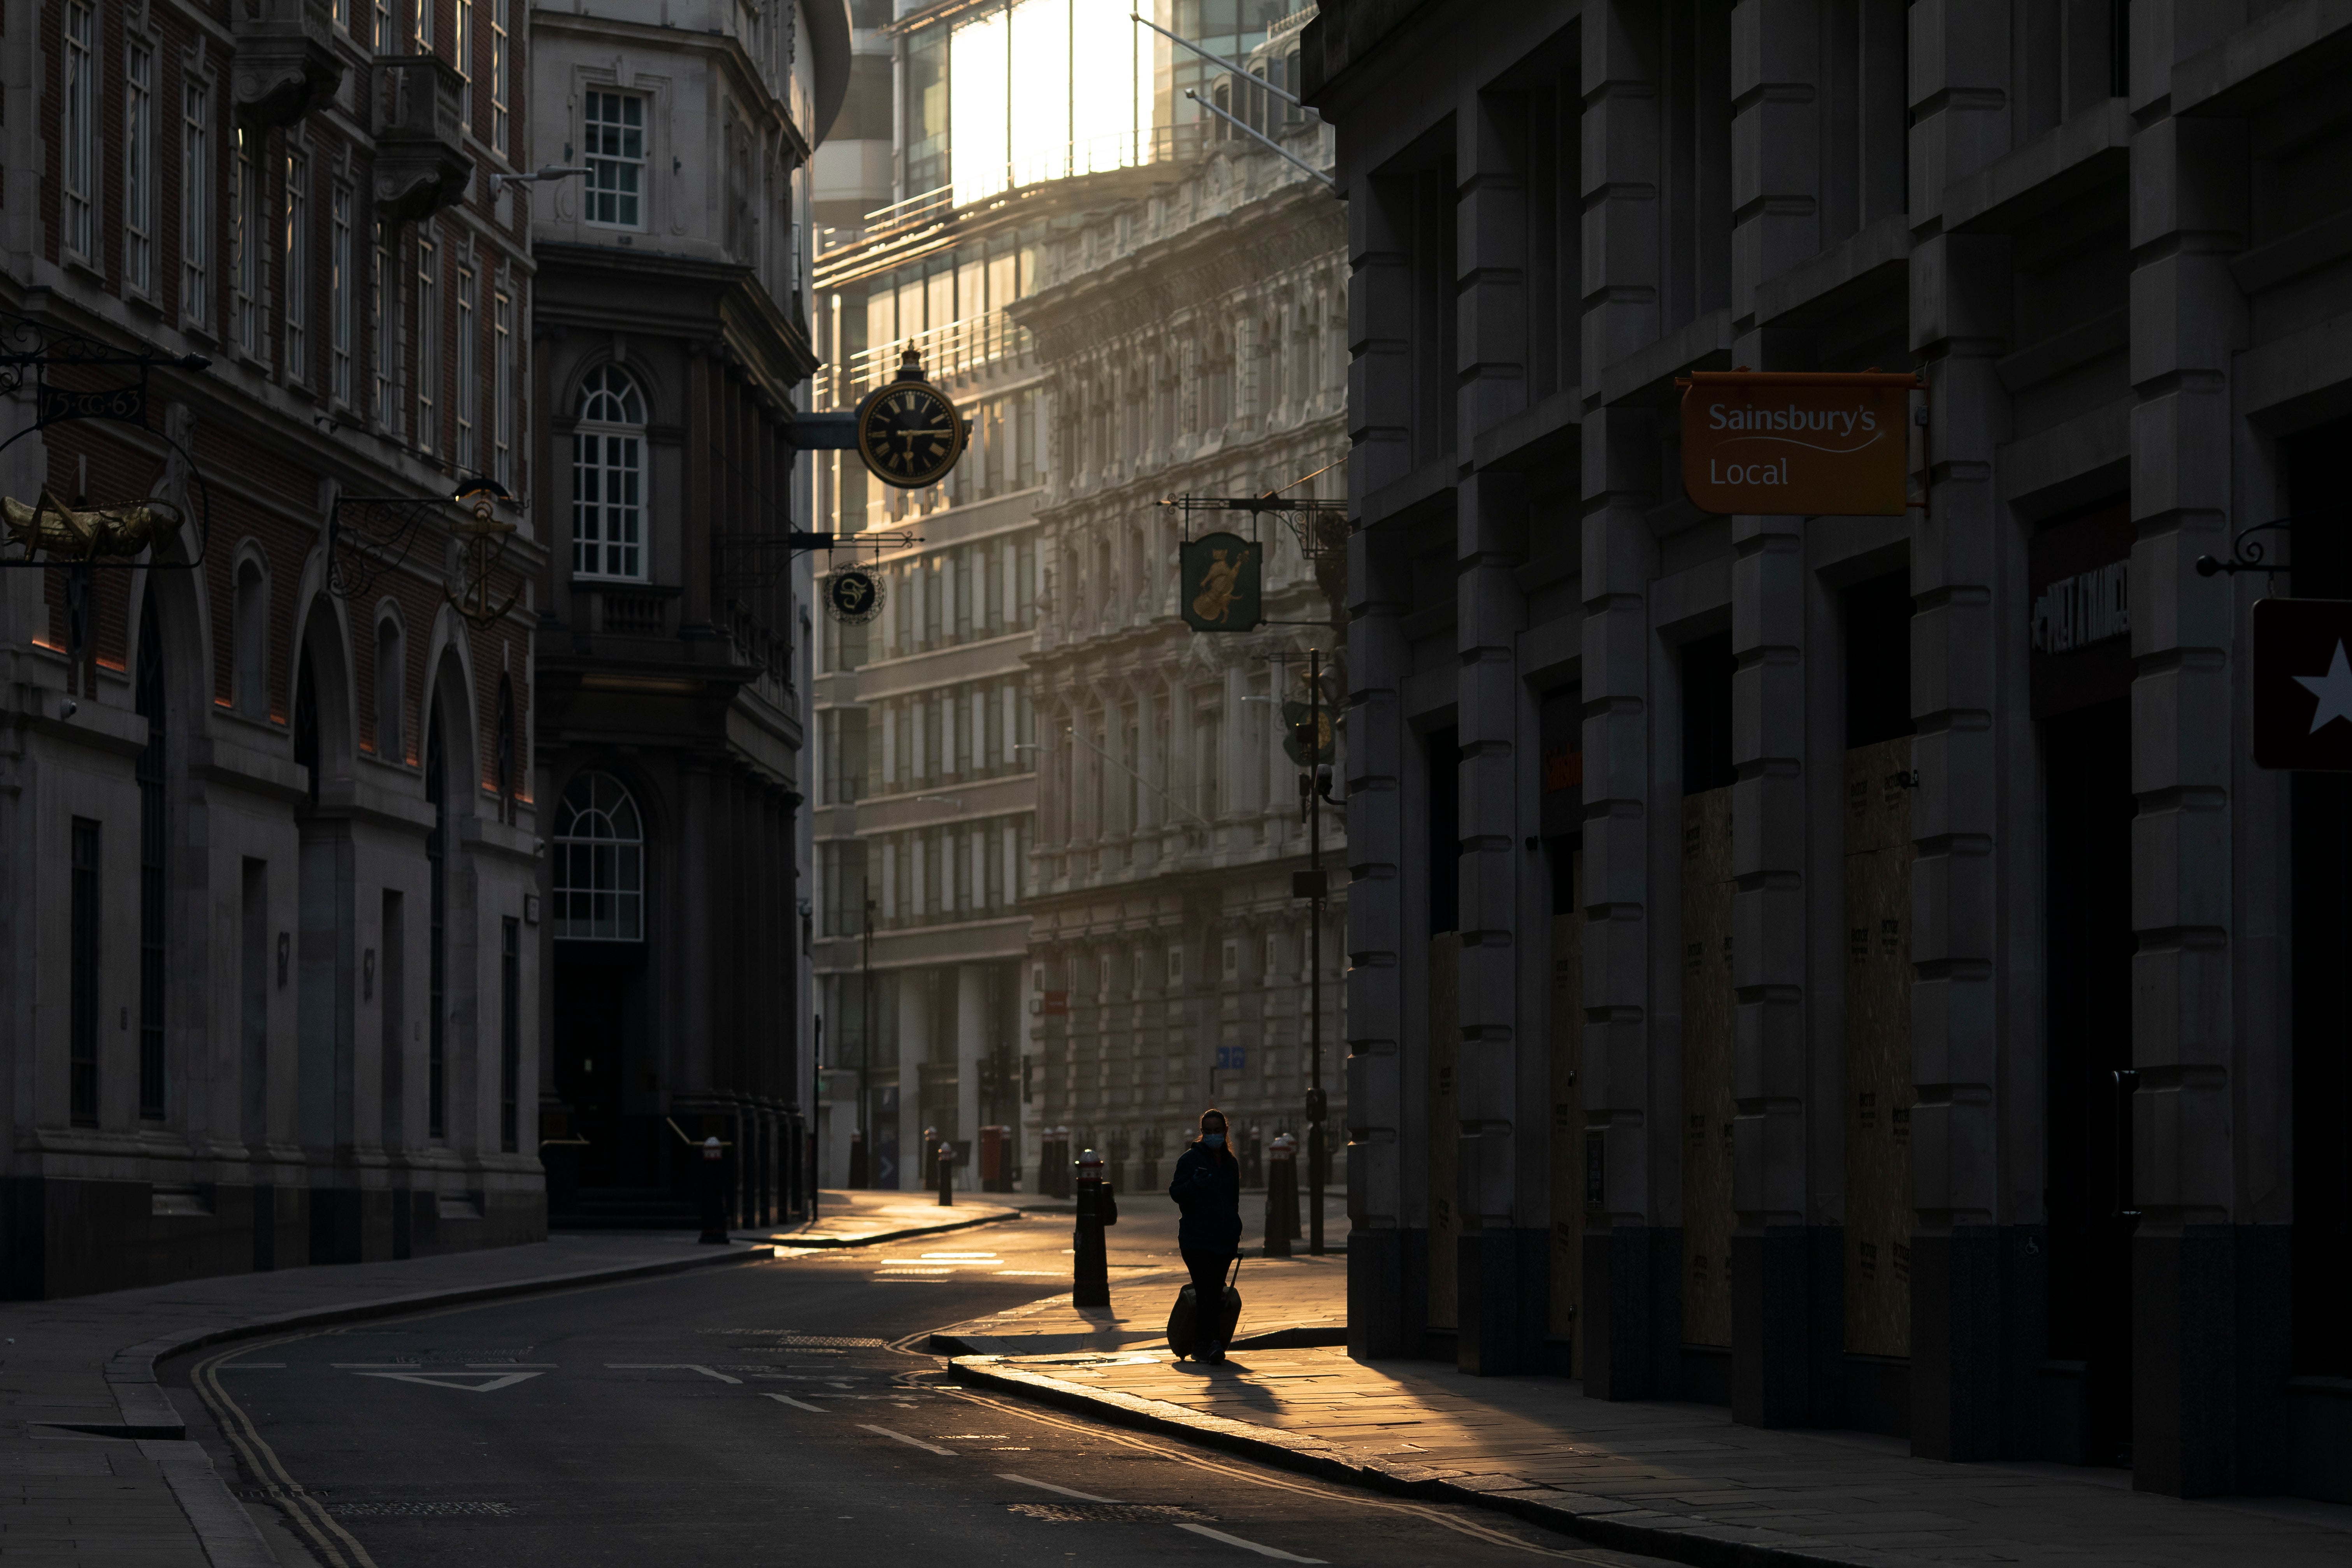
(1798, 442)
(1218, 583)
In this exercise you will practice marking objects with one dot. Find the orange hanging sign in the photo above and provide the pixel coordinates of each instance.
(1809, 444)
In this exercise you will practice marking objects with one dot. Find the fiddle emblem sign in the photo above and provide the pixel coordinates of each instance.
(1218, 587)
(1793, 443)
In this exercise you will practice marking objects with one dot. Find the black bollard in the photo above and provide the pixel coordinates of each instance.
(945, 1155)
(1089, 1255)
(1281, 1195)
(714, 1192)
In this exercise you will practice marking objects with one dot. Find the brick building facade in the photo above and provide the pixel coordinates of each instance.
(266, 838)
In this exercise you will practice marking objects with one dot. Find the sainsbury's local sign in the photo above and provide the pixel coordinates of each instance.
(1795, 442)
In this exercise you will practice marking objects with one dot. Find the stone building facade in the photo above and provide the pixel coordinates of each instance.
(1015, 124)
(673, 354)
(1194, 341)
(927, 777)
(1793, 964)
(267, 880)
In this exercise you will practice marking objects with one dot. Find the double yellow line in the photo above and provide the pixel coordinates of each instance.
(309, 1515)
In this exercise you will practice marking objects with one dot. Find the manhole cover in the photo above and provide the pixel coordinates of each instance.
(421, 1510)
(1109, 1512)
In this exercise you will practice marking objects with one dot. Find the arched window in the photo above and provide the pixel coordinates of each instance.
(251, 635)
(155, 843)
(608, 477)
(599, 862)
(391, 693)
(437, 983)
(503, 748)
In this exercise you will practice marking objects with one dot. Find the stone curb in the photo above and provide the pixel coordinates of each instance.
(882, 1236)
(1597, 1520)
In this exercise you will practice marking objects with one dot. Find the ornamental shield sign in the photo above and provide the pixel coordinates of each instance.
(1306, 733)
(854, 597)
(1218, 581)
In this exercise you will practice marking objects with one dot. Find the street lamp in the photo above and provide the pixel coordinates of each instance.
(545, 172)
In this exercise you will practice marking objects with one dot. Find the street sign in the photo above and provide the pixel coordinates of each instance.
(2303, 684)
(1797, 443)
(1218, 583)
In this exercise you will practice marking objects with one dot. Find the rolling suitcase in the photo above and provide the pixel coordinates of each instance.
(1185, 1329)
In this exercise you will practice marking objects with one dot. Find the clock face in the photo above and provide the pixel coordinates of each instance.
(909, 434)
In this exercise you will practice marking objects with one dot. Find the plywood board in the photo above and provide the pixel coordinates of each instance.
(1708, 1107)
(1567, 1127)
(1444, 1128)
(1878, 1092)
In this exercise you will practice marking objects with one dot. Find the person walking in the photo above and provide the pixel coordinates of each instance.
(1208, 1189)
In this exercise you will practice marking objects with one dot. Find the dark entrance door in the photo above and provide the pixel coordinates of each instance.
(600, 1012)
(2086, 758)
(2321, 857)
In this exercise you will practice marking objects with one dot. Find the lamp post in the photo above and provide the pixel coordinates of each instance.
(866, 1058)
(1315, 957)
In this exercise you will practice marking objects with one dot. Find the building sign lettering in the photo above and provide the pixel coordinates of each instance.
(1796, 443)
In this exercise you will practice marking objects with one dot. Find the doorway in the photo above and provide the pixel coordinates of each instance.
(2087, 760)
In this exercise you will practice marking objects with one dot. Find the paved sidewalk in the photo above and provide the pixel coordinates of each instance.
(858, 1218)
(1677, 1480)
(95, 1465)
(1286, 1302)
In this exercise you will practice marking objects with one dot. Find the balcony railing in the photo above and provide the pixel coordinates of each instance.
(976, 182)
(958, 348)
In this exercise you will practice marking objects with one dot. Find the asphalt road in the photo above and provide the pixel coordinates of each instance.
(759, 1414)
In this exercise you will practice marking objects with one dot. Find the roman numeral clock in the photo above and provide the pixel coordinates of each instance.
(909, 433)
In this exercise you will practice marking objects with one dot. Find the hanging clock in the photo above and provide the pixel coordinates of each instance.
(909, 433)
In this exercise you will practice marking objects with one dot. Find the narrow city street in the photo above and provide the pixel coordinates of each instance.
(776, 1412)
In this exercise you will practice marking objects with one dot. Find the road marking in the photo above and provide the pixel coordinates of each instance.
(1247, 1545)
(253, 1366)
(1095, 1431)
(1050, 1487)
(504, 1380)
(667, 1366)
(788, 1399)
(911, 1442)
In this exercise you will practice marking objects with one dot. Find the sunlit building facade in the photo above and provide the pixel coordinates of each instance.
(1196, 342)
(1011, 122)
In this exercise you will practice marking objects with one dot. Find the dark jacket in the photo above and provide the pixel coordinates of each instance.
(1209, 1190)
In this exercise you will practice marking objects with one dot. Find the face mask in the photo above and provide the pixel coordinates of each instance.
(1214, 1140)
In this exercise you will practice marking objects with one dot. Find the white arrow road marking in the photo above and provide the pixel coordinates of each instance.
(788, 1399)
(1246, 1545)
(1050, 1487)
(911, 1442)
(504, 1380)
(667, 1366)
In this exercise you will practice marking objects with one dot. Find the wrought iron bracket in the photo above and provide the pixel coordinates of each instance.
(74, 536)
(359, 554)
(2246, 553)
(740, 561)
